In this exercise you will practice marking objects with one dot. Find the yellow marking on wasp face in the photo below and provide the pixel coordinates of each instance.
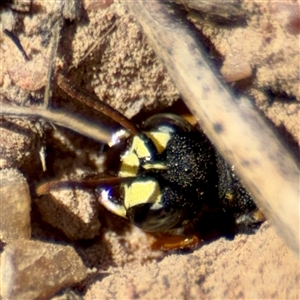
(139, 147)
(130, 164)
(160, 139)
(138, 150)
(139, 192)
(130, 159)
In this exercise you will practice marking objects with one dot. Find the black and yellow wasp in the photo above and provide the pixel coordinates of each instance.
(165, 176)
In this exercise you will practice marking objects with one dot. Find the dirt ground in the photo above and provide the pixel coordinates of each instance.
(256, 47)
(249, 267)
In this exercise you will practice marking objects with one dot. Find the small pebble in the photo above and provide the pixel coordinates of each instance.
(73, 211)
(38, 270)
(15, 206)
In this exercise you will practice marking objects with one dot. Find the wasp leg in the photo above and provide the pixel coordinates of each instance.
(166, 242)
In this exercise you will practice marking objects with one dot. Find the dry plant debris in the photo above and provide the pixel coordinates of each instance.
(262, 55)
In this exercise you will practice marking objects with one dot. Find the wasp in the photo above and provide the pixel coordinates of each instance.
(165, 177)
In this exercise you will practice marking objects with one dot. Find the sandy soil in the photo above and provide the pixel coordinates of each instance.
(256, 48)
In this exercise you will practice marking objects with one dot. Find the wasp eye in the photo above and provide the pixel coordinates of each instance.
(153, 217)
(168, 123)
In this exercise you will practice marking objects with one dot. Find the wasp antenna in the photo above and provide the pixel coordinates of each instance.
(100, 106)
(49, 186)
(45, 188)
